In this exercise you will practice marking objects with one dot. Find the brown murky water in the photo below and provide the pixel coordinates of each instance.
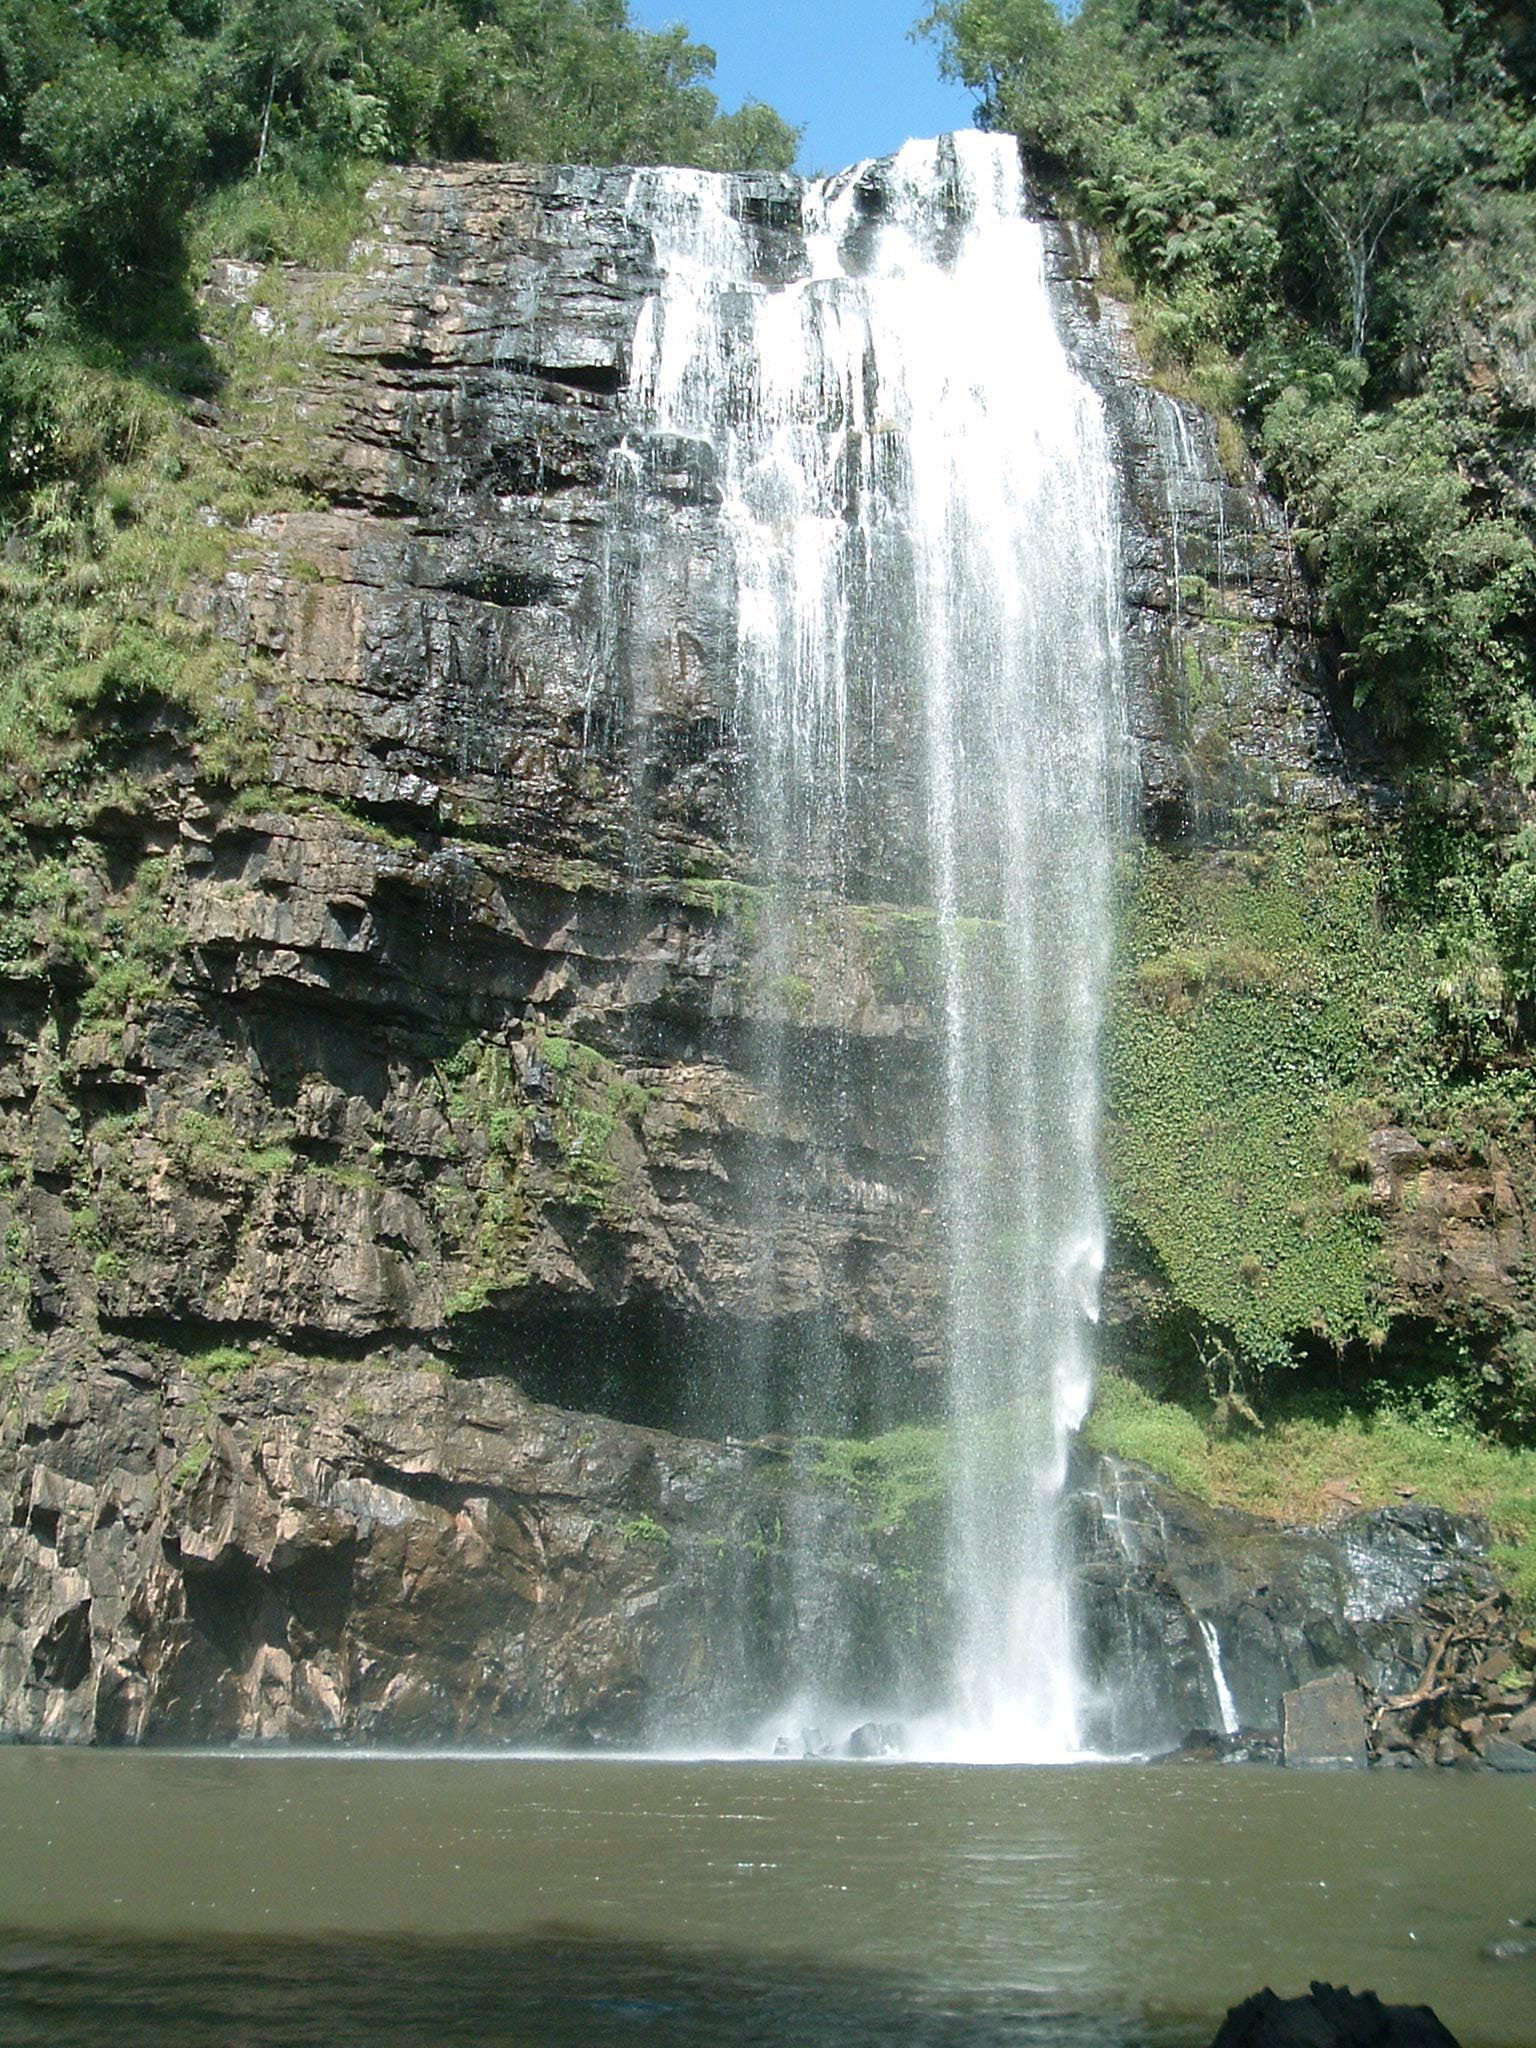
(267, 1901)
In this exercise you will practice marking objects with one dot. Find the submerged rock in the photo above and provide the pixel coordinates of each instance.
(1519, 1947)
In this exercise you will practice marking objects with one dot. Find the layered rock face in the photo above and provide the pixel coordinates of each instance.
(441, 1128)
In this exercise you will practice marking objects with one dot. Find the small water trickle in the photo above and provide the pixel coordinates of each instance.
(914, 491)
(1226, 1706)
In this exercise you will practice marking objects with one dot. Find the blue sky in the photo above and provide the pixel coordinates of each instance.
(842, 69)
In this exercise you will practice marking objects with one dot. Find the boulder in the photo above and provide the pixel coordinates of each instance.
(1500, 1754)
(1324, 1725)
(1330, 2017)
(883, 1738)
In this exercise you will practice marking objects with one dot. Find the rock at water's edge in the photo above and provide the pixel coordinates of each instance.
(1324, 1725)
(1330, 2017)
(1500, 1754)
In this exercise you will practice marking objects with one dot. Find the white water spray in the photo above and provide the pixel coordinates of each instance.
(1226, 1706)
(916, 492)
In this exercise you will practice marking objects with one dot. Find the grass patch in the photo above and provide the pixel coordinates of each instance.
(1373, 1454)
(892, 1476)
(118, 497)
(284, 217)
(206, 1145)
(217, 1367)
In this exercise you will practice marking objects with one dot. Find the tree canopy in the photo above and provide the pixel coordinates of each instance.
(117, 115)
(1325, 209)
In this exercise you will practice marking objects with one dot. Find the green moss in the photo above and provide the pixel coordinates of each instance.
(260, 798)
(492, 1215)
(218, 1367)
(643, 1529)
(629, 1099)
(791, 995)
(892, 1476)
(900, 950)
(203, 1143)
(564, 1055)
(737, 903)
(575, 877)
(584, 1134)
(357, 1179)
(191, 1465)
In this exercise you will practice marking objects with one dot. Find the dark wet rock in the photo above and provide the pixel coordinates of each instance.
(1211, 1746)
(1165, 1584)
(1229, 694)
(287, 1548)
(877, 1738)
(1522, 1727)
(1324, 1725)
(1330, 2017)
(320, 1552)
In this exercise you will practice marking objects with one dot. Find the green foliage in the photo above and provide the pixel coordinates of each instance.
(1325, 216)
(1427, 592)
(893, 1476)
(1270, 1008)
(113, 120)
(643, 1529)
(1240, 1033)
(209, 1146)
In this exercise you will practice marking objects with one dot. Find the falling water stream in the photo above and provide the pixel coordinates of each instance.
(916, 497)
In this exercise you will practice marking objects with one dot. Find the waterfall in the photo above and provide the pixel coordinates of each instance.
(1226, 1706)
(913, 492)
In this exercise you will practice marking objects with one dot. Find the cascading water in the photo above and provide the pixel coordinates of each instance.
(915, 496)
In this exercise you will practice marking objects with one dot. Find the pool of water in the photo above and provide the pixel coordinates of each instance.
(257, 1900)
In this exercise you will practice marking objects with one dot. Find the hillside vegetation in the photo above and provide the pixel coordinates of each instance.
(1325, 209)
(136, 136)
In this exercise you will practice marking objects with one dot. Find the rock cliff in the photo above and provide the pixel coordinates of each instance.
(384, 1125)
